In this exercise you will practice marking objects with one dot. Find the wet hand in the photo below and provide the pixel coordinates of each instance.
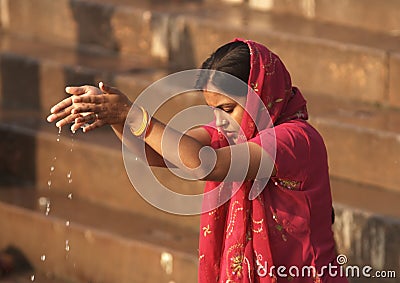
(90, 107)
(109, 108)
(62, 111)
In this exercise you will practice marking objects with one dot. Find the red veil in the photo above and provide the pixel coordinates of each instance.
(234, 238)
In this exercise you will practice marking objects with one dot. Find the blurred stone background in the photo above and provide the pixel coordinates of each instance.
(88, 221)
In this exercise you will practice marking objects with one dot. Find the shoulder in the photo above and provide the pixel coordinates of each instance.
(291, 132)
(296, 147)
(298, 133)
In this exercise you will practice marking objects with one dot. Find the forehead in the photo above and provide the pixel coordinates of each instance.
(215, 99)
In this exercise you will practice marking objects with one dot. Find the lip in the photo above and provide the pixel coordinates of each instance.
(229, 134)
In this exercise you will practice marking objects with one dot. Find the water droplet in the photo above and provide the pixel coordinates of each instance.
(136, 158)
(70, 150)
(59, 130)
(55, 158)
(70, 196)
(167, 262)
(32, 277)
(70, 181)
(58, 139)
(67, 223)
(52, 168)
(67, 247)
(69, 174)
(43, 258)
(47, 208)
(43, 201)
(49, 183)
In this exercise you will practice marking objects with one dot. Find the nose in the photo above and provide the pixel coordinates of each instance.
(221, 120)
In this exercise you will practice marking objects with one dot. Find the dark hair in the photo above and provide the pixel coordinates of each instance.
(232, 58)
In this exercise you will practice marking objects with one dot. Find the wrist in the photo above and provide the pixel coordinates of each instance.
(140, 122)
(123, 115)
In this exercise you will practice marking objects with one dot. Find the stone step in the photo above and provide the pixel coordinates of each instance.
(93, 162)
(352, 63)
(362, 211)
(363, 141)
(33, 75)
(367, 229)
(87, 242)
(366, 233)
(382, 15)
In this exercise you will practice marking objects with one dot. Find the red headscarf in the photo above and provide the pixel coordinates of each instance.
(234, 240)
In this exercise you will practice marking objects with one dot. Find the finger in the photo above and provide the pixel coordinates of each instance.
(93, 126)
(68, 120)
(93, 99)
(77, 90)
(77, 126)
(61, 105)
(85, 107)
(108, 89)
(86, 118)
(60, 115)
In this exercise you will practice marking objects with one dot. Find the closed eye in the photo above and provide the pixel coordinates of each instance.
(228, 110)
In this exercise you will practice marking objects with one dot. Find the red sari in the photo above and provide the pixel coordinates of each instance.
(288, 225)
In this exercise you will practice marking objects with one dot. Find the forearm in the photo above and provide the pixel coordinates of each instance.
(180, 149)
(136, 146)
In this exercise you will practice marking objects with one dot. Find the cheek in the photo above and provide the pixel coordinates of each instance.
(237, 116)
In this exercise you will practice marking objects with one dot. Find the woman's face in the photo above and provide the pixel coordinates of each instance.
(228, 112)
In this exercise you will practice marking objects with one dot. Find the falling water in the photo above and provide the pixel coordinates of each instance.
(67, 245)
(45, 201)
(69, 196)
(69, 177)
(59, 134)
(47, 207)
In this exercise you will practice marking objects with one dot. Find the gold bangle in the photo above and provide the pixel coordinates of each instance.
(138, 132)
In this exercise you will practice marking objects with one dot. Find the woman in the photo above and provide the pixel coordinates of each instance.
(282, 235)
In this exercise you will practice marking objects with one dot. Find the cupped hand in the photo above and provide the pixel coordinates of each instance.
(90, 107)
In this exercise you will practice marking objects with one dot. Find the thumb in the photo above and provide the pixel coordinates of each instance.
(108, 89)
(77, 90)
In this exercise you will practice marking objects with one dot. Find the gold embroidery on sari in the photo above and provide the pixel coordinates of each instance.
(279, 227)
(254, 86)
(289, 184)
(270, 67)
(260, 228)
(235, 257)
(232, 220)
(206, 230)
